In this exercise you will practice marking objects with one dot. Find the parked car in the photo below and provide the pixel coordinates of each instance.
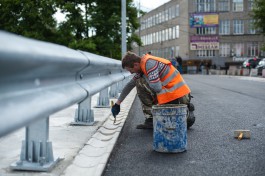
(251, 63)
(261, 66)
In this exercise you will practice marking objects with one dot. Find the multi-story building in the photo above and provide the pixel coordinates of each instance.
(164, 30)
(216, 31)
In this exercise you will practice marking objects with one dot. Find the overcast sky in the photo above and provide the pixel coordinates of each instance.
(147, 5)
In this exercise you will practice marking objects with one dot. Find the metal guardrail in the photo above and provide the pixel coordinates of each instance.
(38, 79)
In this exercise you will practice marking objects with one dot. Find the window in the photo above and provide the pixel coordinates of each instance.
(224, 27)
(166, 14)
(262, 53)
(238, 5)
(206, 31)
(238, 27)
(224, 50)
(177, 31)
(143, 39)
(163, 36)
(159, 36)
(206, 53)
(174, 32)
(223, 5)
(253, 49)
(205, 5)
(238, 49)
(162, 16)
(169, 13)
(177, 10)
(154, 38)
(173, 14)
(172, 52)
(177, 51)
(166, 34)
(251, 27)
(169, 33)
(250, 4)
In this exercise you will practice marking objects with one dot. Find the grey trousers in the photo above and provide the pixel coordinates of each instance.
(146, 95)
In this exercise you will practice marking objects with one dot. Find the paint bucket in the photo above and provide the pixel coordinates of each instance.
(170, 128)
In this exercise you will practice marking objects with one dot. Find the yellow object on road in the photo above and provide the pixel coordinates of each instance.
(242, 134)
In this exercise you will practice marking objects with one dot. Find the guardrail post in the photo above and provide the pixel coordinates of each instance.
(113, 93)
(120, 86)
(84, 115)
(103, 99)
(36, 153)
(122, 83)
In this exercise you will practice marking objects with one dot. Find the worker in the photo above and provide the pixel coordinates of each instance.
(162, 78)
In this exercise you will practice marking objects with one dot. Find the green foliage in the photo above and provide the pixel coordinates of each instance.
(259, 16)
(106, 19)
(84, 45)
(35, 19)
(30, 18)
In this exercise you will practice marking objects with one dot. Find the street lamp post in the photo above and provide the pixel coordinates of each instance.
(123, 21)
(139, 46)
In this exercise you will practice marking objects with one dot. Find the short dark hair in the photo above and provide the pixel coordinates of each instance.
(129, 59)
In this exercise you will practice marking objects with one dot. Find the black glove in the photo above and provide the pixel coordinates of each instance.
(115, 109)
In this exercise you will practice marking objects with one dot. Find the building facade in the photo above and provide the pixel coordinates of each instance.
(216, 31)
(164, 31)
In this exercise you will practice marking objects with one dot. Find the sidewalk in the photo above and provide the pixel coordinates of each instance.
(84, 150)
(249, 78)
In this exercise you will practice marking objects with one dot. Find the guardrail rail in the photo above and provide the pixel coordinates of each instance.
(38, 79)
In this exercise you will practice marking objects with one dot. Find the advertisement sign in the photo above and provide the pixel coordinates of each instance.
(204, 20)
(207, 38)
(204, 42)
(204, 46)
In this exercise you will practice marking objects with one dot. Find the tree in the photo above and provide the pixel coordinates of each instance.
(90, 25)
(259, 16)
(106, 19)
(30, 18)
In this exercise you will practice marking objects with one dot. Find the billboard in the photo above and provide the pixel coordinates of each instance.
(204, 20)
(204, 46)
(210, 42)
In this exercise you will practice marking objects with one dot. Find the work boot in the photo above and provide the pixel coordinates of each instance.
(148, 124)
(190, 115)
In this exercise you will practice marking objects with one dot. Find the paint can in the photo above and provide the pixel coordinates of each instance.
(170, 128)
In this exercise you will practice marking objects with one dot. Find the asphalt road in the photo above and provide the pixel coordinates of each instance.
(223, 104)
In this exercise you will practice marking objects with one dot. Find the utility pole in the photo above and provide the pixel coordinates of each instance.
(139, 49)
(123, 28)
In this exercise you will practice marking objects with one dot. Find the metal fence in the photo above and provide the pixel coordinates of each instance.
(38, 79)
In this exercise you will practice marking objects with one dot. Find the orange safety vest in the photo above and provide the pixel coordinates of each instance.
(173, 85)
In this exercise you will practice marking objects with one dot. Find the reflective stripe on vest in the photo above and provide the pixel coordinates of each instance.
(176, 86)
(170, 78)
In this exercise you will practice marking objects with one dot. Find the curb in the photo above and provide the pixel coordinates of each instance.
(93, 157)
